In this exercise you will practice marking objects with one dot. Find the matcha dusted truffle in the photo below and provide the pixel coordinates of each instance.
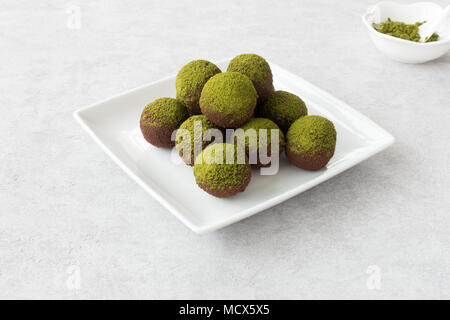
(311, 141)
(160, 118)
(228, 99)
(219, 172)
(258, 70)
(283, 108)
(190, 146)
(190, 81)
(257, 142)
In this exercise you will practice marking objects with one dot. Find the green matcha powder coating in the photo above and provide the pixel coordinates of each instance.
(253, 66)
(164, 112)
(311, 135)
(262, 123)
(182, 144)
(283, 108)
(231, 94)
(191, 80)
(403, 31)
(219, 176)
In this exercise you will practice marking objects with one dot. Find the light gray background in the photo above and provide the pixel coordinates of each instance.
(65, 205)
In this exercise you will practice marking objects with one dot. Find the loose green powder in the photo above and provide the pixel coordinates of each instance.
(190, 81)
(311, 135)
(164, 112)
(253, 66)
(283, 108)
(195, 139)
(220, 176)
(262, 141)
(403, 31)
(231, 94)
(433, 37)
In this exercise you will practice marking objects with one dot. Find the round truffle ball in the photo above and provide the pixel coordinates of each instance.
(256, 138)
(257, 69)
(311, 141)
(219, 171)
(283, 108)
(190, 81)
(190, 137)
(228, 99)
(160, 118)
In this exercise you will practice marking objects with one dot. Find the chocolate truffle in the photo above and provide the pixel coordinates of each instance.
(257, 69)
(283, 108)
(189, 147)
(160, 118)
(219, 172)
(190, 81)
(260, 141)
(311, 141)
(228, 99)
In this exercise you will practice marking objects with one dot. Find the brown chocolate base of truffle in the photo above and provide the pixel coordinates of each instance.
(225, 121)
(186, 160)
(308, 163)
(159, 137)
(194, 110)
(264, 90)
(258, 163)
(192, 107)
(231, 192)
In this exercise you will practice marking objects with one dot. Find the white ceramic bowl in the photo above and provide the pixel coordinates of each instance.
(405, 50)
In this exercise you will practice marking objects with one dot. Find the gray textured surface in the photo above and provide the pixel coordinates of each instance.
(64, 203)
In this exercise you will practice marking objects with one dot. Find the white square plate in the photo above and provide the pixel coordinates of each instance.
(114, 125)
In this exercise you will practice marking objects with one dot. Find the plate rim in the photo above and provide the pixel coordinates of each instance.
(377, 147)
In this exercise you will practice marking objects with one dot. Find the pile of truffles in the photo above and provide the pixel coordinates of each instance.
(242, 97)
